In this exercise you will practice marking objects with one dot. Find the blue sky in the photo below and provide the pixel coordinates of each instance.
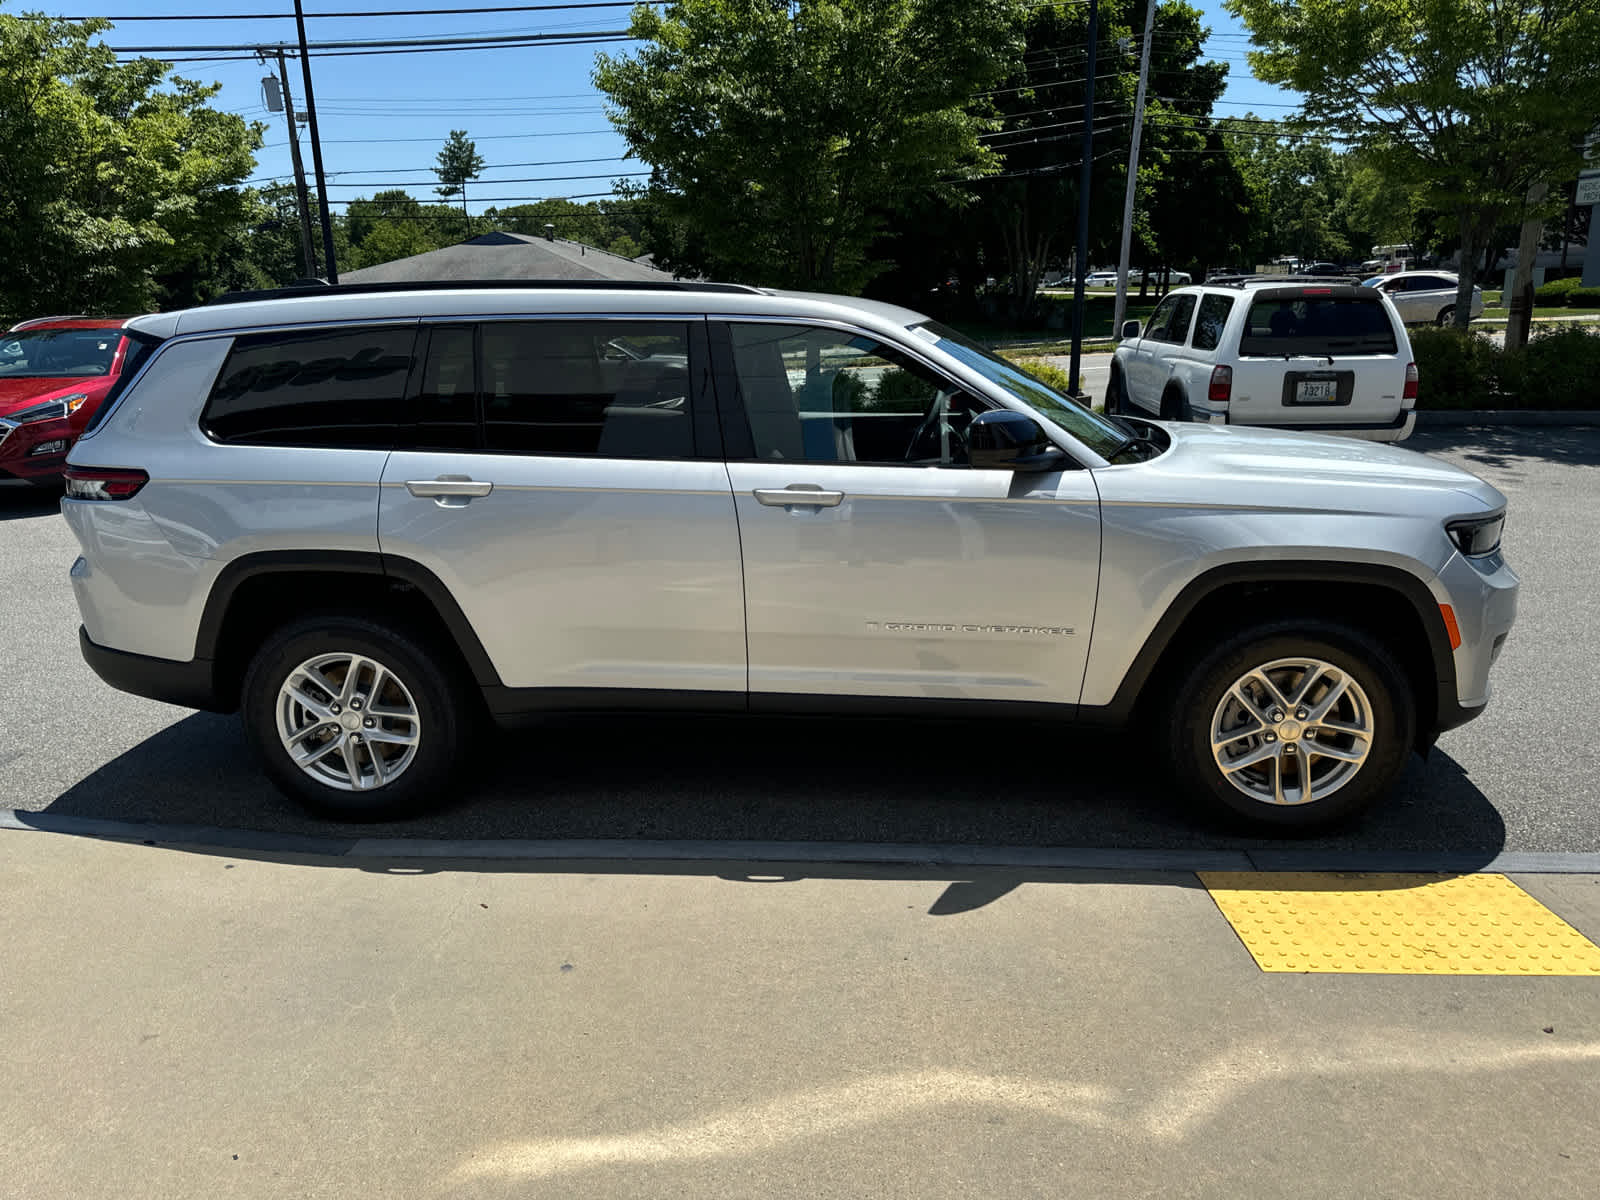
(536, 118)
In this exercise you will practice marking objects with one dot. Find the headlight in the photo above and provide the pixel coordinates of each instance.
(53, 410)
(1478, 536)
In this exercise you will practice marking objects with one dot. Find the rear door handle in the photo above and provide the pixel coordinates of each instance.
(798, 493)
(446, 488)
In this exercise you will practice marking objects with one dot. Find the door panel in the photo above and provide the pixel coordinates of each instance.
(918, 581)
(580, 572)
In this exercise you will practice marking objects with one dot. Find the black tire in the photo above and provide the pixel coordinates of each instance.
(1116, 400)
(1446, 316)
(1206, 682)
(431, 686)
(1175, 407)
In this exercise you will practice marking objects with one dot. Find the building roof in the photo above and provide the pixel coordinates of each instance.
(508, 256)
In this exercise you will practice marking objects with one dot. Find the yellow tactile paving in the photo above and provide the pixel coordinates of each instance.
(1397, 924)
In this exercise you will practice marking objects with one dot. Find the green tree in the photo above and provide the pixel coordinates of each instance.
(779, 135)
(119, 188)
(459, 164)
(1475, 101)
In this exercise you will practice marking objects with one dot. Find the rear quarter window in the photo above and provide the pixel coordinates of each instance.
(330, 387)
(1317, 325)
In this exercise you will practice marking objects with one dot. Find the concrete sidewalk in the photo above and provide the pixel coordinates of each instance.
(212, 1024)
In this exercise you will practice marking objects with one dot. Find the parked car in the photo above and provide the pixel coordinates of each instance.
(377, 520)
(1101, 279)
(1322, 357)
(1424, 297)
(54, 373)
(1322, 268)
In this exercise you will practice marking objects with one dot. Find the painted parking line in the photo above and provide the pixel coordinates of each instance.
(1391, 924)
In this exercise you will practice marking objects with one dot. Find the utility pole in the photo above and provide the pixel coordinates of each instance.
(316, 145)
(1085, 178)
(308, 253)
(1121, 308)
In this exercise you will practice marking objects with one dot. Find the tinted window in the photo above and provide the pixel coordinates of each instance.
(446, 404)
(1157, 326)
(1214, 312)
(1429, 283)
(1318, 326)
(1178, 327)
(822, 395)
(618, 389)
(335, 387)
(57, 353)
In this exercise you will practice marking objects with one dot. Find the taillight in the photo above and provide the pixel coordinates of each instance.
(1221, 388)
(104, 483)
(1411, 382)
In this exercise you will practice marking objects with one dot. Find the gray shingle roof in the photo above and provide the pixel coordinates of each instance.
(507, 256)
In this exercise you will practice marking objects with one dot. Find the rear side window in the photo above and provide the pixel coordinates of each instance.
(330, 387)
(1214, 312)
(1178, 327)
(1317, 325)
(617, 389)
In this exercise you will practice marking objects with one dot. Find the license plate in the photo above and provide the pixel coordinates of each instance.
(1316, 391)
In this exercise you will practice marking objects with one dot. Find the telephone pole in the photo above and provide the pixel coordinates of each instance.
(1085, 178)
(316, 145)
(308, 252)
(1121, 308)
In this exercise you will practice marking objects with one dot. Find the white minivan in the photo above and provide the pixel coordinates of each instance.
(1312, 356)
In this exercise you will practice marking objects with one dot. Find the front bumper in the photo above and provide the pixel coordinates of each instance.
(187, 684)
(35, 450)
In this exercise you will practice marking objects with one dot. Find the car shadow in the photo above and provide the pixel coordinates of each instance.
(19, 501)
(747, 779)
(1507, 446)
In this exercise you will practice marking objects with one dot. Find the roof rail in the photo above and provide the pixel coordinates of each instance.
(1240, 281)
(461, 285)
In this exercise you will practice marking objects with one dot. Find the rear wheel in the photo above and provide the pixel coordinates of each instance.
(354, 719)
(1292, 726)
(1174, 406)
(1116, 398)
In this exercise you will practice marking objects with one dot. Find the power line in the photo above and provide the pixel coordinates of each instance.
(549, 162)
(372, 43)
(394, 12)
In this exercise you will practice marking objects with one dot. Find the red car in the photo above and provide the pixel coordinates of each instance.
(54, 372)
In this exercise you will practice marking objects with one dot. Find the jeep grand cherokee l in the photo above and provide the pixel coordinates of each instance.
(376, 520)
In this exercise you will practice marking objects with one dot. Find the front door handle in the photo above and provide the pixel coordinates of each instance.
(798, 493)
(448, 485)
(449, 491)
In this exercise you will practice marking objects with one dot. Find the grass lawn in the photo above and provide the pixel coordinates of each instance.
(1098, 311)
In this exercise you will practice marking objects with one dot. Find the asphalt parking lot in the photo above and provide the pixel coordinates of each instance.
(1523, 778)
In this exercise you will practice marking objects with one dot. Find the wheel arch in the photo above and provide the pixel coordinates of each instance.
(1389, 603)
(261, 591)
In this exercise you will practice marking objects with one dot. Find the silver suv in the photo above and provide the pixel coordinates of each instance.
(380, 520)
(1306, 354)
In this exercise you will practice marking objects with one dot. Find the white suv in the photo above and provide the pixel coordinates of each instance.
(1313, 356)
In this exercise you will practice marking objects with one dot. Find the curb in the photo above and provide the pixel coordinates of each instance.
(1447, 418)
(865, 854)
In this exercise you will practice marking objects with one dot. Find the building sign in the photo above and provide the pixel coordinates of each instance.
(1588, 188)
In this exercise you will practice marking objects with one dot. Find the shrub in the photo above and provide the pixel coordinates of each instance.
(1557, 292)
(1556, 370)
(1583, 297)
(1046, 373)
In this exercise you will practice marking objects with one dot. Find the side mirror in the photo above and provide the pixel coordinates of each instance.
(1002, 440)
(1130, 329)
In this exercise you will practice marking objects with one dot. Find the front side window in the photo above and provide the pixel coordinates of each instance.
(826, 395)
(58, 353)
(1214, 313)
(1156, 328)
(327, 387)
(616, 389)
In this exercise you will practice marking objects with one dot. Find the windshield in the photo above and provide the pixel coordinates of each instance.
(57, 353)
(1099, 434)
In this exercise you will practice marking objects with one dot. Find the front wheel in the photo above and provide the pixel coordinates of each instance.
(1292, 727)
(1116, 397)
(1446, 316)
(354, 719)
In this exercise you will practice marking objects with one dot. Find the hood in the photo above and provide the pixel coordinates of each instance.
(1292, 463)
(18, 394)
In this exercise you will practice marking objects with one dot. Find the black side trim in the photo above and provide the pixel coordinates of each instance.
(508, 706)
(908, 707)
(189, 684)
(1228, 575)
(402, 570)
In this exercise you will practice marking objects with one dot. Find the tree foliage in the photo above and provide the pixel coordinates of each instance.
(459, 163)
(779, 135)
(1474, 101)
(119, 187)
